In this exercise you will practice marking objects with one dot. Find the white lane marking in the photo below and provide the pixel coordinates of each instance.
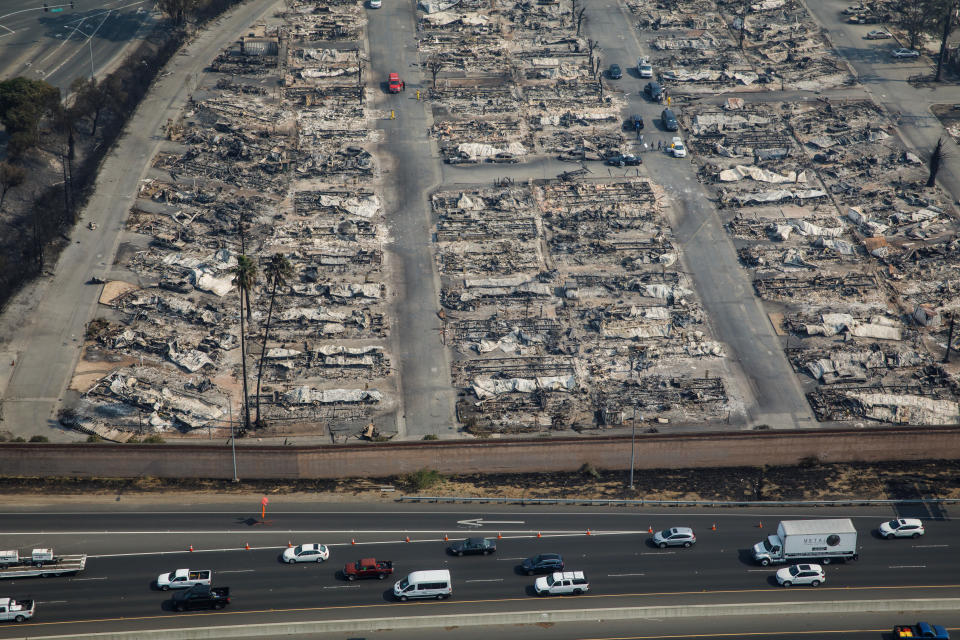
(908, 566)
(340, 586)
(476, 522)
(51, 601)
(82, 579)
(508, 559)
(930, 546)
(248, 532)
(489, 580)
(657, 553)
(237, 571)
(761, 570)
(624, 575)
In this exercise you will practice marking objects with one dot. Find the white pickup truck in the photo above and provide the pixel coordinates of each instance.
(40, 562)
(16, 610)
(183, 578)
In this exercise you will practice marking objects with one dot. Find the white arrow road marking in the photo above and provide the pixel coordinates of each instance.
(477, 522)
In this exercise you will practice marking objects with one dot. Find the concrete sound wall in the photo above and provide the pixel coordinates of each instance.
(478, 456)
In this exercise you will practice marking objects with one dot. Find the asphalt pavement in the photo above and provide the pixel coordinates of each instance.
(129, 547)
(66, 42)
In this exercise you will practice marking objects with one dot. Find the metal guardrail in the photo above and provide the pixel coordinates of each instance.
(680, 503)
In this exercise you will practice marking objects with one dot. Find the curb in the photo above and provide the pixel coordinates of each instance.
(521, 617)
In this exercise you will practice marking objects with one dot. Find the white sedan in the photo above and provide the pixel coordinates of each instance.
(905, 53)
(877, 34)
(306, 553)
(811, 574)
(902, 528)
(677, 148)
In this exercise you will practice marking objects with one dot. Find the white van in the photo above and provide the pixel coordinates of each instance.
(425, 584)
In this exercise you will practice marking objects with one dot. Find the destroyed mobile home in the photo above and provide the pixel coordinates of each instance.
(248, 170)
(854, 258)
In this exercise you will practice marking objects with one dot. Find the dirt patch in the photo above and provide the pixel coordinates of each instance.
(812, 481)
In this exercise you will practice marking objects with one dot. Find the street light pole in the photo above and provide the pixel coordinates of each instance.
(233, 441)
(90, 42)
(633, 441)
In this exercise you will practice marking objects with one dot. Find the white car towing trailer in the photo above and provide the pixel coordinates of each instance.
(41, 562)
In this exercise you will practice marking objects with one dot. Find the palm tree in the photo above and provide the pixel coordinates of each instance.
(277, 271)
(244, 276)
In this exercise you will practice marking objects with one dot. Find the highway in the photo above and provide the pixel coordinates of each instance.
(60, 46)
(129, 547)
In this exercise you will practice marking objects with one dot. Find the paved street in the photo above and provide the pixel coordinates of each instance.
(60, 46)
(131, 545)
(423, 363)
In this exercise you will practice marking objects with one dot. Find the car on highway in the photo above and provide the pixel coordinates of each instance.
(675, 536)
(905, 53)
(902, 528)
(562, 583)
(306, 553)
(183, 578)
(368, 568)
(877, 34)
(811, 574)
(376, 4)
(201, 596)
(644, 68)
(653, 90)
(920, 630)
(475, 546)
(614, 72)
(542, 563)
(677, 147)
(16, 610)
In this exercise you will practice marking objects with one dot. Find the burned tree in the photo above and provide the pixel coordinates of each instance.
(435, 65)
(936, 160)
(580, 18)
(277, 271)
(244, 277)
(11, 177)
(948, 22)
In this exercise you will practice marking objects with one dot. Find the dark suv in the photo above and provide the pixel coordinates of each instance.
(654, 91)
(474, 546)
(543, 563)
(615, 72)
(634, 123)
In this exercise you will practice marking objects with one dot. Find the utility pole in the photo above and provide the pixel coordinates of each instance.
(946, 356)
(233, 441)
(633, 443)
(90, 42)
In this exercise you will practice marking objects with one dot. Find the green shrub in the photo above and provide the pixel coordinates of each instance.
(153, 439)
(422, 479)
(18, 439)
(431, 436)
(39, 439)
(94, 438)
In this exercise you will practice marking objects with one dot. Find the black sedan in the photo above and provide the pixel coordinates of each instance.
(614, 72)
(543, 563)
(482, 546)
(627, 160)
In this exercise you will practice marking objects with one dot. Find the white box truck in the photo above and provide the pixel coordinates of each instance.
(820, 541)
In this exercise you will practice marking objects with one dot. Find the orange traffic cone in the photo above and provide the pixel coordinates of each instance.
(247, 546)
(289, 544)
(191, 548)
(714, 527)
(760, 525)
(649, 529)
(588, 531)
(408, 538)
(445, 538)
(539, 535)
(353, 541)
(499, 536)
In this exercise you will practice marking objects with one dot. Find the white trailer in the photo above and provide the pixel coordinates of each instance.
(40, 562)
(814, 540)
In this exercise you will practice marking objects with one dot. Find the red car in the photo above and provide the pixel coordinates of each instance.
(394, 83)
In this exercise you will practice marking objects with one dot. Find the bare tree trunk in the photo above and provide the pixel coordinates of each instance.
(263, 354)
(947, 23)
(243, 367)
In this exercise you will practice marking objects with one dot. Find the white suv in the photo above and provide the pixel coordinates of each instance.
(644, 68)
(811, 574)
(902, 528)
(562, 583)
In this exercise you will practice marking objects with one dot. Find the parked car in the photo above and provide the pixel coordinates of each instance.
(865, 18)
(614, 72)
(676, 536)
(306, 553)
(854, 10)
(905, 53)
(376, 4)
(811, 574)
(669, 120)
(543, 563)
(877, 34)
(677, 148)
(634, 123)
(624, 160)
(653, 90)
(562, 583)
(395, 84)
(483, 546)
(902, 528)
(644, 68)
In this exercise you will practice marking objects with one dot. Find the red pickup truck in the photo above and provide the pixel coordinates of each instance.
(394, 83)
(368, 568)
